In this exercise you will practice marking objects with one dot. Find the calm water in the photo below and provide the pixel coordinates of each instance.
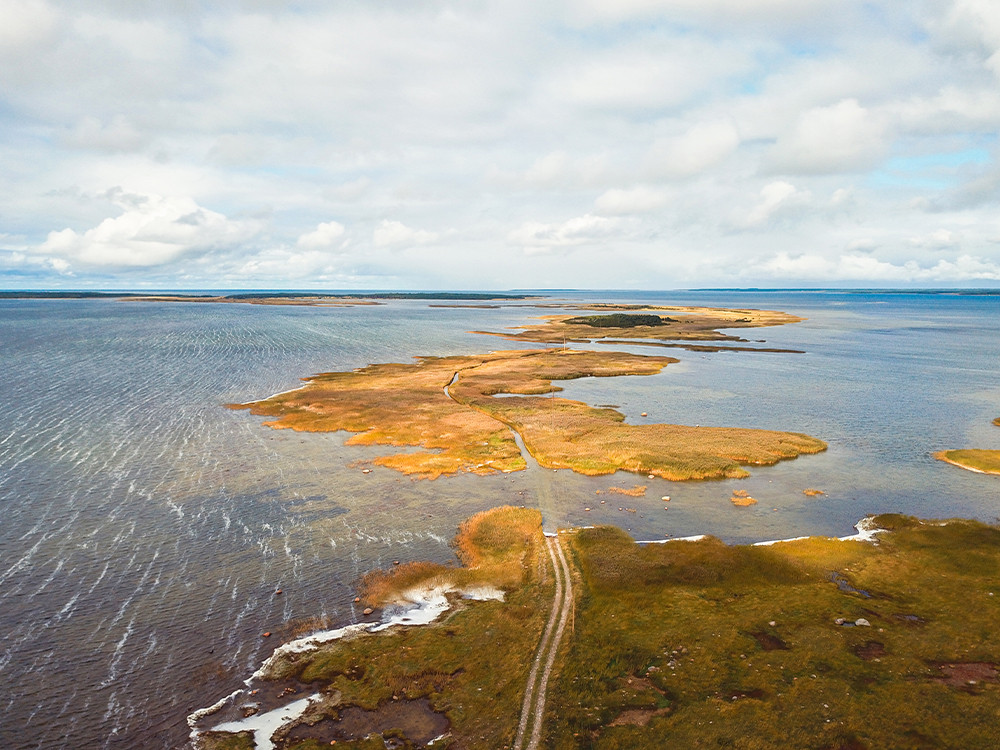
(144, 528)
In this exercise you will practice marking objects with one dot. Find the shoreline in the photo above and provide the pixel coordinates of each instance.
(416, 606)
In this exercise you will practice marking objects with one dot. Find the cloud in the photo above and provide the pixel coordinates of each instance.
(396, 234)
(854, 268)
(844, 137)
(776, 198)
(702, 146)
(151, 231)
(637, 200)
(582, 230)
(323, 236)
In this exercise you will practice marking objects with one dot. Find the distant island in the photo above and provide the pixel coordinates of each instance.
(288, 298)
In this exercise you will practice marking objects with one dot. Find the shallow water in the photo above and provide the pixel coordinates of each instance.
(144, 528)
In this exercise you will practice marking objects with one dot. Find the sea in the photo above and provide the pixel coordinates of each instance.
(145, 529)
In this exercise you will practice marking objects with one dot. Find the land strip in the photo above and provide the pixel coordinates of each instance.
(462, 409)
(536, 690)
(815, 642)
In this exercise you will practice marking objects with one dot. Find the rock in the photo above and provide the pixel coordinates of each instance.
(861, 622)
(665, 498)
(267, 634)
(278, 592)
(644, 414)
(367, 611)
(772, 623)
(395, 562)
(357, 599)
(366, 471)
(839, 621)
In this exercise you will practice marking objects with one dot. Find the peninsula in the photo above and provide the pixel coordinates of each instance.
(857, 643)
(979, 460)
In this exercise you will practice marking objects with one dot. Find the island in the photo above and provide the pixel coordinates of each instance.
(979, 460)
(589, 639)
(472, 413)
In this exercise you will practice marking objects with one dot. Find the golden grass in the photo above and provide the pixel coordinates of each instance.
(638, 490)
(495, 547)
(973, 459)
(812, 492)
(406, 405)
(997, 421)
(741, 498)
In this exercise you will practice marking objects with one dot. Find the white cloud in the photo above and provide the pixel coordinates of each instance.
(323, 236)
(776, 198)
(151, 231)
(854, 268)
(702, 146)
(650, 121)
(396, 234)
(844, 137)
(582, 230)
(117, 135)
(637, 200)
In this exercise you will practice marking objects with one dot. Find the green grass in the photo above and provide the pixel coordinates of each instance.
(703, 644)
(986, 461)
(688, 626)
(620, 320)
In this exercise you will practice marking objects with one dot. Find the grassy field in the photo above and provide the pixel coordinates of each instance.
(468, 429)
(809, 644)
(817, 643)
(974, 459)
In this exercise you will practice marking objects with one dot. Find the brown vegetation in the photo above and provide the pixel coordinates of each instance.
(447, 405)
(637, 491)
(742, 498)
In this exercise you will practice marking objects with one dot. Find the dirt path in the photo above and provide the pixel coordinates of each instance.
(533, 706)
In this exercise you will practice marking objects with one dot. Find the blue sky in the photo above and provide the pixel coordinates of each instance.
(491, 145)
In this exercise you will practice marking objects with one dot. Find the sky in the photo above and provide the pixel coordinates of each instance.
(507, 144)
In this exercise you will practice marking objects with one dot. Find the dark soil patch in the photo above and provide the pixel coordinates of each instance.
(966, 674)
(415, 720)
(869, 650)
(769, 642)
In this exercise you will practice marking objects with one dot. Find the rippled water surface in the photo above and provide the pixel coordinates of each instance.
(144, 528)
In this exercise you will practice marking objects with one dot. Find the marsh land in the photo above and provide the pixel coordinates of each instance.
(813, 643)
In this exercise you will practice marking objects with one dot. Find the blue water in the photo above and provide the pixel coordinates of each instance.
(144, 528)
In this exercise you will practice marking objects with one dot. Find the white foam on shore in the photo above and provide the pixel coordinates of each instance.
(266, 724)
(420, 605)
(695, 538)
(769, 542)
(867, 531)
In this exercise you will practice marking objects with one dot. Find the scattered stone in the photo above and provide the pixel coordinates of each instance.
(367, 611)
(861, 622)
(366, 471)
(665, 498)
(357, 599)
(644, 414)
(587, 509)
(278, 592)
(395, 562)
(839, 621)
(267, 634)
